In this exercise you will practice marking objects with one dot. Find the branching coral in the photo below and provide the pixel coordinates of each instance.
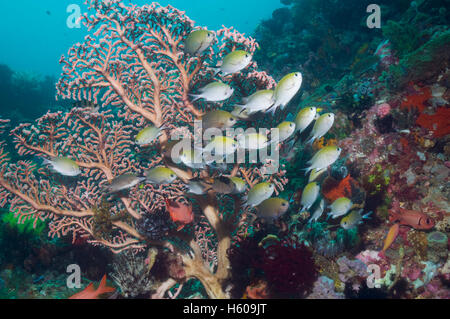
(133, 65)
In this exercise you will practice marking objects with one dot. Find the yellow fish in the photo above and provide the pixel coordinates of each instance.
(315, 174)
(259, 193)
(160, 175)
(218, 119)
(309, 195)
(321, 127)
(272, 208)
(340, 207)
(304, 118)
(234, 62)
(259, 101)
(325, 157)
(221, 146)
(123, 182)
(147, 135)
(285, 90)
(198, 41)
(354, 219)
(63, 165)
(214, 92)
(239, 183)
(285, 130)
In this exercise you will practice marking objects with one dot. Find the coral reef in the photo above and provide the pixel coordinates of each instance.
(388, 92)
(437, 246)
(324, 289)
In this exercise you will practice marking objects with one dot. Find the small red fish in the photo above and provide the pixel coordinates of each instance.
(411, 218)
(91, 293)
(179, 213)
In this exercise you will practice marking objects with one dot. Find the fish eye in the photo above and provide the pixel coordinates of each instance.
(339, 149)
(232, 119)
(284, 204)
(311, 108)
(329, 115)
(428, 221)
(296, 74)
(171, 175)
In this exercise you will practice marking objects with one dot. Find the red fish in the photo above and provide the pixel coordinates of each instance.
(179, 213)
(91, 293)
(411, 218)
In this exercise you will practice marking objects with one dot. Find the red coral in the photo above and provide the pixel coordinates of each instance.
(438, 122)
(333, 189)
(417, 100)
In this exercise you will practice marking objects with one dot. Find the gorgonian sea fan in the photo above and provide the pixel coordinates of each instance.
(132, 64)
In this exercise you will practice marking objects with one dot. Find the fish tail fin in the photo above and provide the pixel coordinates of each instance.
(195, 97)
(164, 126)
(244, 203)
(310, 141)
(381, 254)
(45, 161)
(367, 216)
(272, 109)
(307, 170)
(142, 178)
(103, 288)
(105, 188)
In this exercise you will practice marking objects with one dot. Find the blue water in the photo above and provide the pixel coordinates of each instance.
(35, 34)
